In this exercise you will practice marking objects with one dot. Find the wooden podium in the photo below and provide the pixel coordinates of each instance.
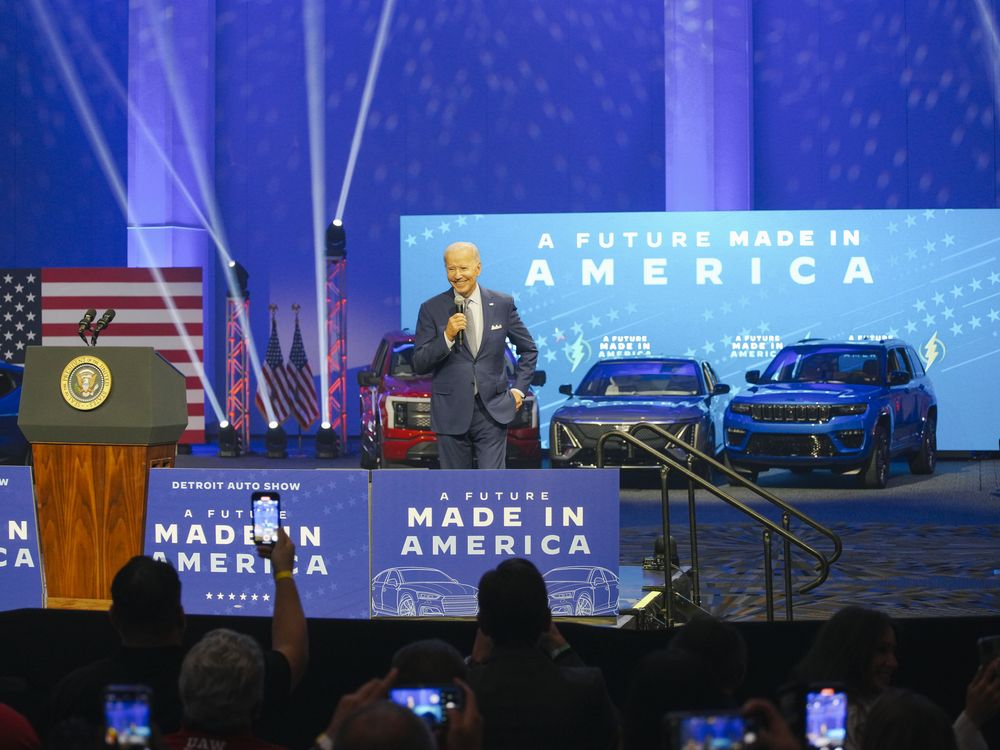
(92, 460)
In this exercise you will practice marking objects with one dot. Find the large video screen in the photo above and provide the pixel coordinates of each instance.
(732, 288)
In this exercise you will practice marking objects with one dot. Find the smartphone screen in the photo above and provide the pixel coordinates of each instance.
(826, 718)
(126, 716)
(266, 508)
(710, 731)
(429, 702)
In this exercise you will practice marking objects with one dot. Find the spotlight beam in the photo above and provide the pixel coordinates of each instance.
(313, 27)
(366, 99)
(100, 145)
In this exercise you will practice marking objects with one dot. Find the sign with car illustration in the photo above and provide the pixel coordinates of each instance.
(434, 533)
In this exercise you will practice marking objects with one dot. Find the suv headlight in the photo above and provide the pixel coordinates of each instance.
(427, 595)
(846, 410)
(563, 439)
(410, 414)
(740, 408)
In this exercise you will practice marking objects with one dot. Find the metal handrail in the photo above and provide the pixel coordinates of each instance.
(757, 489)
(823, 565)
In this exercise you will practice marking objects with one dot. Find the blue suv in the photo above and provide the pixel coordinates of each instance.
(845, 406)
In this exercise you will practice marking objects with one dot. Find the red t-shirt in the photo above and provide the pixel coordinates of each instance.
(187, 739)
(15, 731)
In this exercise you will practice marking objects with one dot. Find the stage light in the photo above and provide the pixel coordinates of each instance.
(327, 442)
(336, 240)
(240, 279)
(276, 441)
(229, 440)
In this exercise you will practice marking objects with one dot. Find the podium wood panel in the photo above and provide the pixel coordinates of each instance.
(91, 511)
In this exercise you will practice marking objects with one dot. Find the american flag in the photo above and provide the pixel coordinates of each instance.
(305, 398)
(279, 390)
(44, 306)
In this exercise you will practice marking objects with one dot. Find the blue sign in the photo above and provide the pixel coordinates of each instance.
(434, 533)
(20, 561)
(734, 287)
(199, 521)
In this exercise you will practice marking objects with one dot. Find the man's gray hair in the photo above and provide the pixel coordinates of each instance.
(222, 682)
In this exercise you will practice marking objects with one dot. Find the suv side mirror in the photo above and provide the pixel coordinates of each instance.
(753, 376)
(719, 389)
(538, 378)
(366, 378)
(899, 377)
(566, 389)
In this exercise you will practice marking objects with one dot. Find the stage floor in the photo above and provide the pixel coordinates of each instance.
(924, 547)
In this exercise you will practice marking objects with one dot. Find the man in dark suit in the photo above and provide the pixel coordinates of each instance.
(533, 691)
(472, 401)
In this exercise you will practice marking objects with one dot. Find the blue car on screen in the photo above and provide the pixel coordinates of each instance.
(846, 406)
(582, 590)
(679, 394)
(422, 592)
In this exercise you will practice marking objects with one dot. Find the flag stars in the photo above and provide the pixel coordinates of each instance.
(462, 221)
(930, 247)
(919, 305)
(19, 288)
(956, 291)
(929, 320)
(7, 279)
(612, 314)
(948, 313)
(577, 329)
(948, 240)
(994, 278)
(911, 327)
(8, 298)
(893, 227)
(976, 285)
(911, 221)
(411, 240)
(994, 315)
(427, 233)
(975, 322)
(956, 329)
(928, 214)
(911, 254)
(243, 597)
(938, 298)
(595, 321)
(707, 315)
(444, 227)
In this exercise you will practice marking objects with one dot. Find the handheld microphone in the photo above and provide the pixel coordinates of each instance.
(85, 321)
(460, 307)
(100, 325)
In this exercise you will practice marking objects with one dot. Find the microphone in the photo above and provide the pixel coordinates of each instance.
(100, 325)
(460, 307)
(85, 321)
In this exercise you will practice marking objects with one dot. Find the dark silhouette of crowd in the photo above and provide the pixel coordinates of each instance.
(521, 686)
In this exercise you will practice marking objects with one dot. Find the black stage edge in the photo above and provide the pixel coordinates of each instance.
(937, 656)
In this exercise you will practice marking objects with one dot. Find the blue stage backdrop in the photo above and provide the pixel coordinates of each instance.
(199, 521)
(734, 287)
(20, 561)
(434, 533)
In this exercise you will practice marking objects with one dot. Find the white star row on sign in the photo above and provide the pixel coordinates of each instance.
(232, 597)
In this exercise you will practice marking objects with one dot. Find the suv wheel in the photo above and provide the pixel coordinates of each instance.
(925, 459)
(876, 472)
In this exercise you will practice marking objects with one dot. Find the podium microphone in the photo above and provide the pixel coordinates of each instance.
(460, 307)
(85, 321)
(100, 325)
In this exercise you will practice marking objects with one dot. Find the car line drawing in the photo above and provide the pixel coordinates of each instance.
(421, 592)
(582, 590)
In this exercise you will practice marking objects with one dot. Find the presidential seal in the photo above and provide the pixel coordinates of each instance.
(86, 382)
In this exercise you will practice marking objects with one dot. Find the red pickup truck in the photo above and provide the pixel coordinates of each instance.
(396, 412)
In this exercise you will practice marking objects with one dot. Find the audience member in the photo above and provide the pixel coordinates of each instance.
(429, 662)
(16, 733)
(857, 648)
(147, 613)
(666, 681)
(904, 720)
(221, 689)
(365, 720)
(526, 698)
(719, 644)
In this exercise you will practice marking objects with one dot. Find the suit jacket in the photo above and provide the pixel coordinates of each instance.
(454, 369)
(528, 701)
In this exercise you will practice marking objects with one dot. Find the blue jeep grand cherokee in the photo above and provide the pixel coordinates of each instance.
(845, 406)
